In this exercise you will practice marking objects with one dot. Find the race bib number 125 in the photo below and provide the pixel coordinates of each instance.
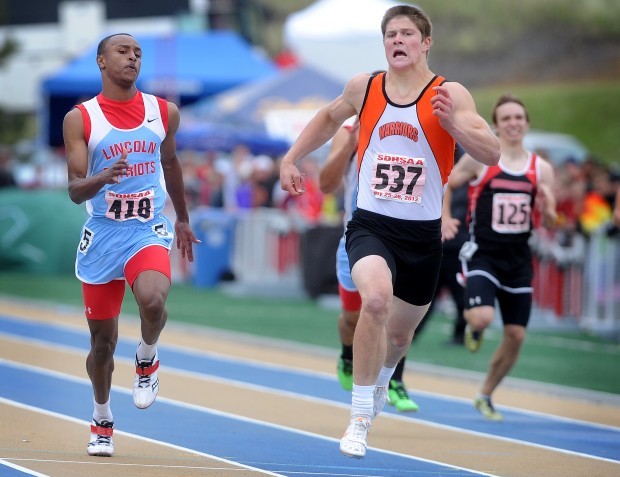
(511, 213)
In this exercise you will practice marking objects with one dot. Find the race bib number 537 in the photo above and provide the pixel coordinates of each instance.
(399, 178)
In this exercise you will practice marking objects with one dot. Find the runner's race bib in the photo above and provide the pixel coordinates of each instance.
(511, 213)
(399, 178)
(133, 205)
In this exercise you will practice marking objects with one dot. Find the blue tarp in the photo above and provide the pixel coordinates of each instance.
(182, 67)
(238, 115)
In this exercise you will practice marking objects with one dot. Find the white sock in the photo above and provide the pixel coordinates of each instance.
(384, 376)
(102, 411)
(146, 351)
(362, 401)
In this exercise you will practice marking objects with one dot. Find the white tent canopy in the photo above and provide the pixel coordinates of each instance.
(339, 37)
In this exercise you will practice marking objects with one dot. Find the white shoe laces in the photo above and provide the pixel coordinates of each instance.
(358, 430)
(379, 398)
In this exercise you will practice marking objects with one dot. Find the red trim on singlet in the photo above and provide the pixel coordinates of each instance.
(85, 121)
(163, 109)
(490, 173)
(123, 114)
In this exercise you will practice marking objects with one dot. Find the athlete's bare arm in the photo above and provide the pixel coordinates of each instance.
(449, 224)
(465, 170)
(173, 174)
(456, 110)
(320, 129)
(80, 187)
(544, 196)
(342, 149)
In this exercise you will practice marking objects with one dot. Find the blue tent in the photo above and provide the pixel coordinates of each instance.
(238, 115)
(182, 67)
(206, 136)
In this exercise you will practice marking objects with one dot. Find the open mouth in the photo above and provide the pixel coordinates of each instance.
(398, 53)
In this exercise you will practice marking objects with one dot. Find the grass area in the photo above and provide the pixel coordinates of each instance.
(493, 26)
(588, 111)
(567, 358)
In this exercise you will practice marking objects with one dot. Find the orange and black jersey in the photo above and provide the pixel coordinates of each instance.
(404, 155)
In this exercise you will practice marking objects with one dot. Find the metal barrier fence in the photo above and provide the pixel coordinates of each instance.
(602, 290)
(266, 254)
(266, 249)
(578, 284)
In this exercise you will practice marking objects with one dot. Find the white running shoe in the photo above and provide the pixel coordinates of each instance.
(101, 443)
(353, 443)
(146, 382)
(379, 398)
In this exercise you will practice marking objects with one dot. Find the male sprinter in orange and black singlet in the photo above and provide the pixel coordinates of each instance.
(409, 119)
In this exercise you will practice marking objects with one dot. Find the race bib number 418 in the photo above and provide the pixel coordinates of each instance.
(135, 205)
(399, 178)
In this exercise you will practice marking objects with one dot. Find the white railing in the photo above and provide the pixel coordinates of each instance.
(601, 312)
(266, 252)
(578, 284)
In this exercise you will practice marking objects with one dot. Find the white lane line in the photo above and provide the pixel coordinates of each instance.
(293, 370)
(64, 417)
(202, 409)
(108, 462)
(291, 394)
(21, 469)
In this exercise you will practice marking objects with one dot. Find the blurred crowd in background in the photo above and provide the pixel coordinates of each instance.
(585, 191)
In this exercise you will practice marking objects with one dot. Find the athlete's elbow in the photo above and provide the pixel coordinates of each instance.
(494, 158)
(76, 199)
(75, 196)
(491, 158)
(326, 187)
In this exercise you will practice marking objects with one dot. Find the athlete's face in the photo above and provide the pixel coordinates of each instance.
(511, 122)
(403, 43)
(121, 59)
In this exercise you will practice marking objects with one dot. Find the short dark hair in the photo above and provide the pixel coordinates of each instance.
(102, 44)
(416, 15)
(508, 98)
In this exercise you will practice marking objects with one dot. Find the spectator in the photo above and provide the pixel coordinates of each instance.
(264, 178)
(617, 209)
(598, 201)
